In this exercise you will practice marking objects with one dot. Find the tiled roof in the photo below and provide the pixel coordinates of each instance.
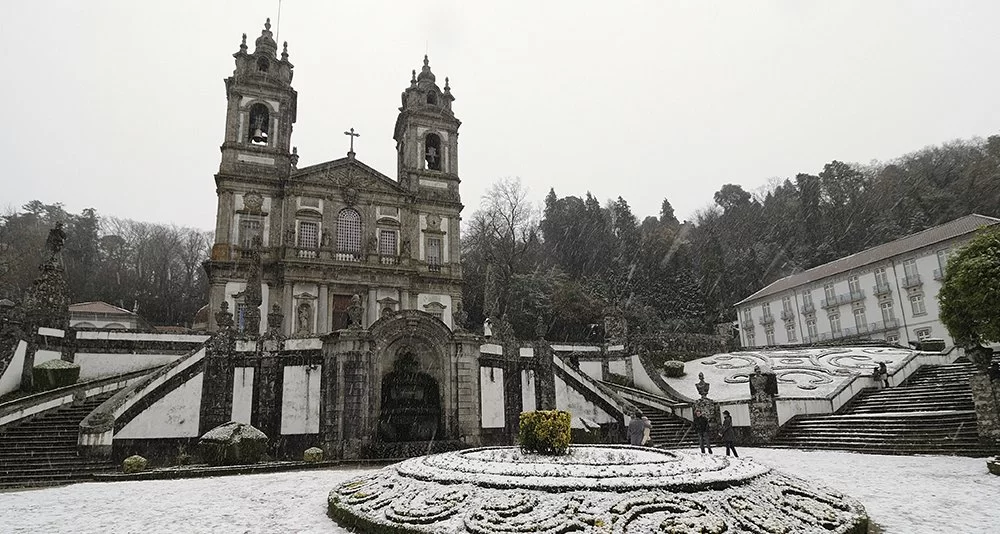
(936, 234)
(97, 307)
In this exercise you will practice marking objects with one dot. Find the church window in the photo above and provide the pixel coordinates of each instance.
(387, 242)
(259, 122)
(262, 64)
(349, 231)
(432, 99)
(308, 239)
(432, 152)
(434, 253)
(250, 228)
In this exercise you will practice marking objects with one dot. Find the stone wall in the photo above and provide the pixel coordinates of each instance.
(986, 396)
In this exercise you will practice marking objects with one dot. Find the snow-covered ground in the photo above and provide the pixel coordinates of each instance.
(903, 494)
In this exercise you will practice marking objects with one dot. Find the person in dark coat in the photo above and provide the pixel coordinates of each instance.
(636, 428)
(727, 433)
(701, 427)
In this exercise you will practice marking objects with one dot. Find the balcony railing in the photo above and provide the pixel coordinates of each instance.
(808, 307)
(787, 315)
(389, 260)
(938, 274)
(862, 330)
(353, 257)
(766, 320)
(855, 296)
(912, 280)
(748, 325)
(434, 267)
(880, 289)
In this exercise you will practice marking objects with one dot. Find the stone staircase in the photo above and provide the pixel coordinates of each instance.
(41, 451)
(931, 413)
(669, 431)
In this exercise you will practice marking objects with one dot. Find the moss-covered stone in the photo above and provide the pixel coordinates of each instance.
(53, 374)
(994, 465)
(313, 455)
(233, 443)
(134, 464)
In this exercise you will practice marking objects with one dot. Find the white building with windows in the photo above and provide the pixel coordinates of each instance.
(888, 292)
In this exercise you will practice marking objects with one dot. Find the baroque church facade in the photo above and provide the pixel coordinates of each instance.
(339, 243)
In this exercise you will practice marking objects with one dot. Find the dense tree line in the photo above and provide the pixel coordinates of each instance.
(154, 269)
(567, 264)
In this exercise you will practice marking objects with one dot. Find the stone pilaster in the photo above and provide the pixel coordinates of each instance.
(986, 396)
(467, 370)
(763, 409)
(545, 384)
(268, 379)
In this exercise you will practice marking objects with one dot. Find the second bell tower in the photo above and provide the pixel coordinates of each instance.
(426, 134)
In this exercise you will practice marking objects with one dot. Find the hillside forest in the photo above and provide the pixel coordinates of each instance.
(565, 264)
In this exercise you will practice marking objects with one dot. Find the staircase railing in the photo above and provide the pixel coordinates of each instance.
(30, 405)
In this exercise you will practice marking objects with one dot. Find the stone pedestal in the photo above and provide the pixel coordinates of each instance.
(763, 410)
(710, 409)
(986, 396)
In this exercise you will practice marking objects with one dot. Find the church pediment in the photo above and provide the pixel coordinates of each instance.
(347, 173)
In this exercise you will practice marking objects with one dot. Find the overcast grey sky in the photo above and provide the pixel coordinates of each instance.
(120, 105)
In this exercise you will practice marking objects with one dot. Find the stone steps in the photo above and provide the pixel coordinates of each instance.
(931, 413)
(667, 429)
(42, 450)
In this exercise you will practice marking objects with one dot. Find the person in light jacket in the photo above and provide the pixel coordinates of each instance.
(701, 427)
(727, 433)
(636, 428)
(647, 428)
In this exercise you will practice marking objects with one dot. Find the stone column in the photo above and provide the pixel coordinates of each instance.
(404, 300)
(289, 305)
(355, 388)
(372, 314)
(323, 322)
(763, 409)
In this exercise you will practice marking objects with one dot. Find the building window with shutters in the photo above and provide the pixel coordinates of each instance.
(888, 317)
(917, 304)
(835, 324)
(922, 333)
(751, 342)
(769, 336)
(388, 249)
(811, 329)
(790, 330)
(860, 321)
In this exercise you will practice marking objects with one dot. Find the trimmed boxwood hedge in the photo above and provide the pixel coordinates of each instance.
(545, 431)
(673, 368)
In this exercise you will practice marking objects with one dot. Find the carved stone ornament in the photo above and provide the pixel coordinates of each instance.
(702, 386)
(350, 196)
(434, 222)
(253, 201)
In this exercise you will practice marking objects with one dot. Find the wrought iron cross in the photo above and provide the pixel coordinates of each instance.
(353, 135)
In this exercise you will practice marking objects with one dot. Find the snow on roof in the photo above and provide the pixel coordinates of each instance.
(936, 234)
(97, 306)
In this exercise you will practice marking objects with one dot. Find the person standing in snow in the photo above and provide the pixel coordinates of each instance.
(727, 433)
(647, 428)
(636, 428)
(701, 427)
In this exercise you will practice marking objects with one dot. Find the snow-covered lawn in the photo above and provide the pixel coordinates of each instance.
(903, 494)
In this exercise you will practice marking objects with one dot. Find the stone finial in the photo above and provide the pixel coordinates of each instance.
(275, 318)
(458, 317)
(354, 312)
(447, 88)
(702, 386)
(294, 158)
(267, 24)
(284, 51)
(243, 44)
(413, 80)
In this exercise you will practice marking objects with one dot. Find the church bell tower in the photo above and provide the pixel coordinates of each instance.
(261, 110)
(426, 135)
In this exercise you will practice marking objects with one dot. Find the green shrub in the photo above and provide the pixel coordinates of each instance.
(673, 368)
(545, 432)
(56, 373)
(134, 464)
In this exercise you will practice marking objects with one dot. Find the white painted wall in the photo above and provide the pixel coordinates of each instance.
(569, 400)
(528, 390)
(11, 379)
(111, 335)
(592, 369)
(176, 415)
(98, 365)
(242, 394)
(300, 400)
(491, 396)
(618, 367)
